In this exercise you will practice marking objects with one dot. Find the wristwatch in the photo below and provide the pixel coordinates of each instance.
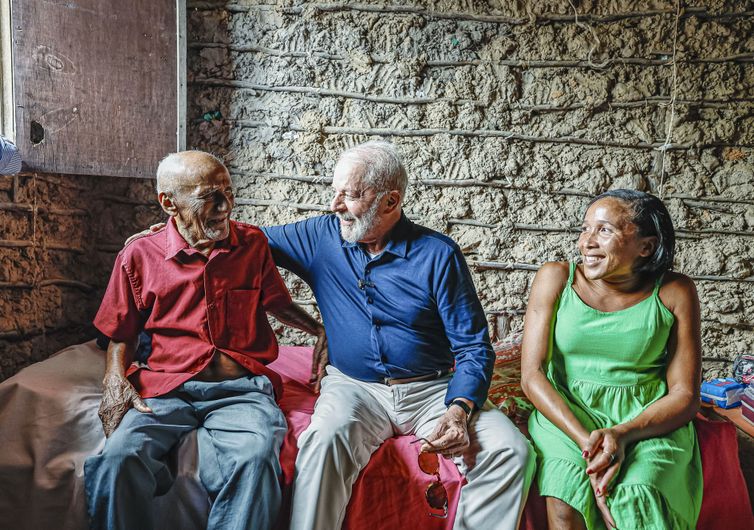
(459, 403)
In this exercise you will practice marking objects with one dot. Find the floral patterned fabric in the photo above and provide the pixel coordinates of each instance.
(505, 389)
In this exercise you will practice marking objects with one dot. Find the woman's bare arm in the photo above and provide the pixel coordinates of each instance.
(548, 284)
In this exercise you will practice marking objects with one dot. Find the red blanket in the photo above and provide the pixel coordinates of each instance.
(390, 490)
(49, 424)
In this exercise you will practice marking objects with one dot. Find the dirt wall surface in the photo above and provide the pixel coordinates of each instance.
(509, 115)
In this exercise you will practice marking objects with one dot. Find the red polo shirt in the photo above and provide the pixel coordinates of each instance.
(193, 305)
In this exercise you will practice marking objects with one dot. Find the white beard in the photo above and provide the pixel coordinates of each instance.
(361, 225)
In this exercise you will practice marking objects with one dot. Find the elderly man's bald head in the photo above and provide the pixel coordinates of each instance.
(195, 189)
(185, 169)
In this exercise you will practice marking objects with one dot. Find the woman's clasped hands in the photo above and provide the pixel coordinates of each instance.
(604, 452)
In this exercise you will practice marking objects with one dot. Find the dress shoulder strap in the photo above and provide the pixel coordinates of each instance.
(658, 284)
(571, 273)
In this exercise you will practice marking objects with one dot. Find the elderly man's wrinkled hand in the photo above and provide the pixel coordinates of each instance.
(319, 360)
(153, 228)
(451, 436)
(118, 396)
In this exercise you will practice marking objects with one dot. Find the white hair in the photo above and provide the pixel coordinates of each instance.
(383, 169)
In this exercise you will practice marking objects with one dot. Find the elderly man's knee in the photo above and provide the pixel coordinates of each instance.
(119, 457)
(259, 450)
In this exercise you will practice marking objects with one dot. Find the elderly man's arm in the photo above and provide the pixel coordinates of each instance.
(118, 394)
(466, 329)
(295, 316)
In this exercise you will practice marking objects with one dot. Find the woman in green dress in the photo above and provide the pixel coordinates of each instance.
(611, 361)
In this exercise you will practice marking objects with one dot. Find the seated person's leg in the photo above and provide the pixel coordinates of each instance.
(499, 466)
(131, 469)
(499, 475)
(239, 451)
(349, 423)
(562, 515)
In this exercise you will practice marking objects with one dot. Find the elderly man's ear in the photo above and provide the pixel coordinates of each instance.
(393, 200)
(166, 201)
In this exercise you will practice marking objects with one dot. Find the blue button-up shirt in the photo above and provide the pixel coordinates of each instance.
(410, 311)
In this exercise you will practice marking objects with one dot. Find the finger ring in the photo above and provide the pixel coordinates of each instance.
(611, 455)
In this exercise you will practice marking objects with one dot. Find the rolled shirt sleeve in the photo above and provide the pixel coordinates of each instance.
(119, 316)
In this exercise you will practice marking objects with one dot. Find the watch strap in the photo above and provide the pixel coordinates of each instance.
(463, 405)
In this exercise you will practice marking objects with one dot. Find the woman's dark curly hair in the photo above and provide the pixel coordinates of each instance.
(652, 219)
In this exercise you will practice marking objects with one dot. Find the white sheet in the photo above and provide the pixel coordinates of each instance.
(48, 426)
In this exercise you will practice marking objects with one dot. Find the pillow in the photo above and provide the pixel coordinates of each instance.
(505, 389)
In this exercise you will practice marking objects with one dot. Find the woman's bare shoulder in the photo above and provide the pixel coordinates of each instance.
(555, 269)
(552, 276)
(677, 289)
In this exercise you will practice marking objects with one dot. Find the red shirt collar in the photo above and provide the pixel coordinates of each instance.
(175, 242)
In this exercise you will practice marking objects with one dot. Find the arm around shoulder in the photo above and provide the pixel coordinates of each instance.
(295, 245)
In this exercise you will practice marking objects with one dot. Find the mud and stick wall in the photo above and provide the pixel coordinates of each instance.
(509, 116)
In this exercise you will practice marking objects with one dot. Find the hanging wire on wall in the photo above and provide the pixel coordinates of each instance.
(595, 45)
(668, 144)
(673, 93)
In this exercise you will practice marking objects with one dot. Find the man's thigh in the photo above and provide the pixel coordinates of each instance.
(420, 405)
(241, 425)
(152, 435)
(347, 407)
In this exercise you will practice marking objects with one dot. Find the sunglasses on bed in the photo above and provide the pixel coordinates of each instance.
(436, 494)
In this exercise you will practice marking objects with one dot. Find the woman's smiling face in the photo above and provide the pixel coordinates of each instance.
(610, 243)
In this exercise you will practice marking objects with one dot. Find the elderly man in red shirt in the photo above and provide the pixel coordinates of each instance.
(201, 287)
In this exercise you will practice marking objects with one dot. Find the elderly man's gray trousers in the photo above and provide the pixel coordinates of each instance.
(352, 418)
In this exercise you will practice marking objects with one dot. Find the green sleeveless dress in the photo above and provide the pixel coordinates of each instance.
(609, 367)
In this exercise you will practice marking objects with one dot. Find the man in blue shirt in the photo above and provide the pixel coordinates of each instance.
(400, 312)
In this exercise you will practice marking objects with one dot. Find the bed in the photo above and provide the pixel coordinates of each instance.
(49, 425)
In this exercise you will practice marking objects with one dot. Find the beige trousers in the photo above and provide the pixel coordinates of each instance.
(352, 418)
